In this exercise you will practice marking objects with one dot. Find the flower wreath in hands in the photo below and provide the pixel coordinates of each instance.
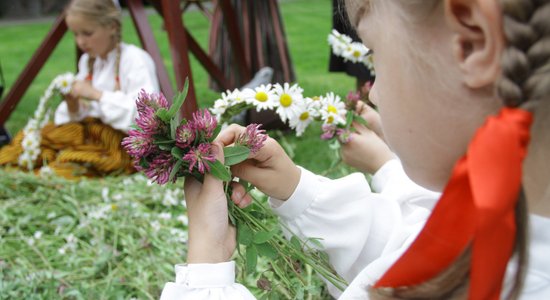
(165, 147)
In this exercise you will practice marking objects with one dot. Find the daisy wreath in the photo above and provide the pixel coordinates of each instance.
(290, 104)
(61, 84)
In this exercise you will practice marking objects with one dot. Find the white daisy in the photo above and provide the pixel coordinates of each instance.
(235, 97)
(355, 52)
(333, 110)
(64, 83)
(25, 161)
(288, 97)
(306, 114)
(261, 97)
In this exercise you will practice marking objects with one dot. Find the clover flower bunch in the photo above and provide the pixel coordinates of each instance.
(165, 148)
(290, 104)
(343, 46)
(61, 85)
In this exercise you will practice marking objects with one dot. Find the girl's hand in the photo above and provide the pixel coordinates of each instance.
(211, 237)
(72, 103)
(84, 89)
(371, 116)
(366, 151)
(270, 169)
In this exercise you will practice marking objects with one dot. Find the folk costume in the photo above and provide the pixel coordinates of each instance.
(399, 234)
(88, 142)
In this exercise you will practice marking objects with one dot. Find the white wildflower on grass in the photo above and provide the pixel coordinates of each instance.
(38, 234)
(183, 219)
(165, 216)
(45, 171)
(105, 194)
(171, 197)
(155, 225)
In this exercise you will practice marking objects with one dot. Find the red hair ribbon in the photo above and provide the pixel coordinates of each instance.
(477, 207)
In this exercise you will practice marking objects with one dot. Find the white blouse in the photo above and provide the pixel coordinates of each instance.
(363, 231)
(116, 108)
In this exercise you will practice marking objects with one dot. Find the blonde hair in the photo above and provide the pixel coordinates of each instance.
(524, 83)
(105, 13)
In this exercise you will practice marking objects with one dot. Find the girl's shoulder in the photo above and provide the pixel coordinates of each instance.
(132, 50)
(134, 54)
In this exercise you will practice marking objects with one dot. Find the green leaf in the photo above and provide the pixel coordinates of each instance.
(247, 185)
(163, 114)
(177, 152)
(165, 147)
(267, 250)
(251, 258)
(296, 243)
(316, 243)
(235, 155)
(216, 131)
(349, 118)
(175, 170)
(245, 235)
(164, 142)
(360, 120)
(174, 123)
(263, 236)
(178, 100)
(219, 170)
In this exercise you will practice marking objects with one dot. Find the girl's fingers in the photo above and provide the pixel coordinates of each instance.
(239, 196)
(229, 134)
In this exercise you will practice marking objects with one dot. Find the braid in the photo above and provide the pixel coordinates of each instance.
(91, 61)
(525, 82)
(525, 62)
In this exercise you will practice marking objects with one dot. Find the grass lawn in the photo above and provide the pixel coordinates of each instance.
(307, 23)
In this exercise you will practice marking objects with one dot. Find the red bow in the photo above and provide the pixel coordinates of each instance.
(477, 207)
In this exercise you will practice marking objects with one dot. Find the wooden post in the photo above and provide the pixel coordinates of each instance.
(145, 33)
(180, 57)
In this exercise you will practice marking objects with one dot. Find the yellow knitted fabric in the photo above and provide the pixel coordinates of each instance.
(87, 148)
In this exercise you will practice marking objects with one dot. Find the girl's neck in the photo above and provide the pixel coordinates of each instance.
(536, 178)
(105, 55)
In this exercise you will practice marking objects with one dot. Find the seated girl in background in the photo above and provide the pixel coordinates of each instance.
(463, 95)
(93, 119)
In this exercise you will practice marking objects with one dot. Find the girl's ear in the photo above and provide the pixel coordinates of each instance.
(478, 39)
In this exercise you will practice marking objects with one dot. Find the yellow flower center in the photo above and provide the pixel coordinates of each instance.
(114, 207)
(286, 100)
(261, 96)
(332, 109)
(356, 53)
(304, 116)
(330, 119)
(64, 83)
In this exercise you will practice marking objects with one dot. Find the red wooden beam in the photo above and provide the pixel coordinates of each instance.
(179, 49)
(33, 67)
(145, 33)
(206, 62)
